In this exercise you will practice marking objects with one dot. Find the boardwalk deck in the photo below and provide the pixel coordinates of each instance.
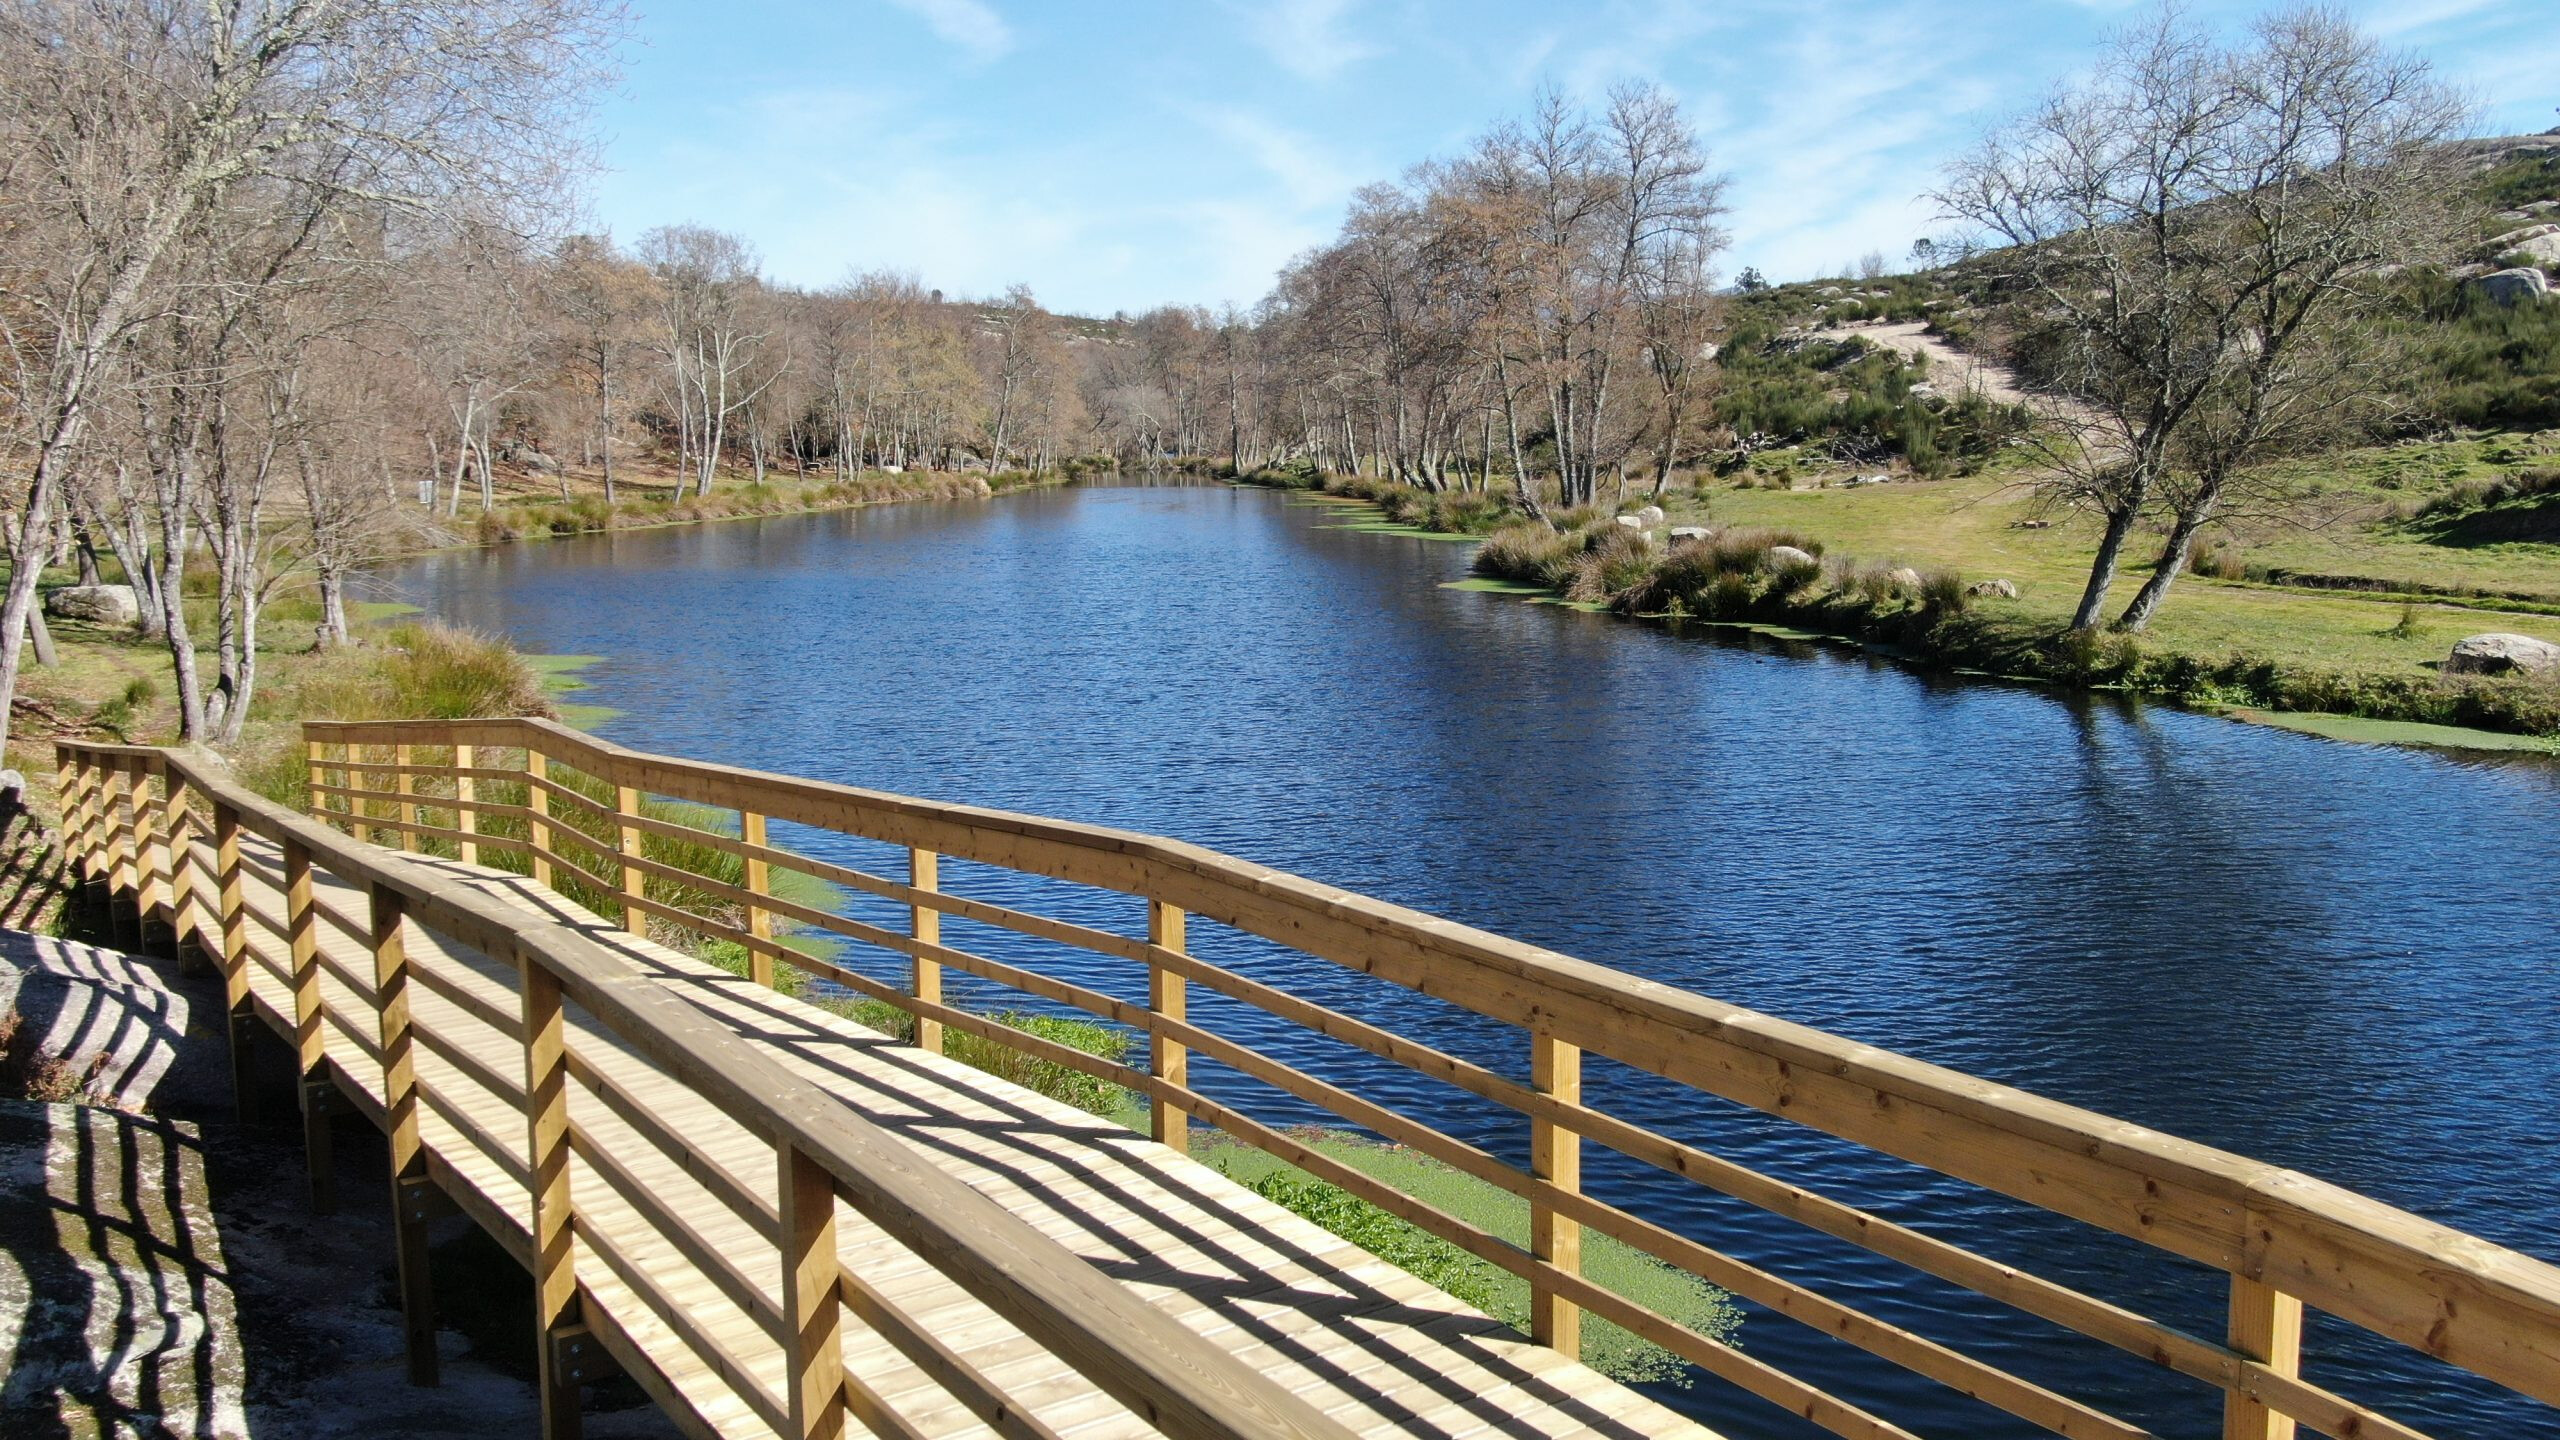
(1369, 1345)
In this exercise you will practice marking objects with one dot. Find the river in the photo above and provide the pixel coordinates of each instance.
(2334, 957)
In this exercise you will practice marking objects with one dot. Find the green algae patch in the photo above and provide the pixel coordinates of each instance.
(559, 675)
(2399, 732)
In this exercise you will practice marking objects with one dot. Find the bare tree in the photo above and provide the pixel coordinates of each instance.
(2202, 228)
(124, 124)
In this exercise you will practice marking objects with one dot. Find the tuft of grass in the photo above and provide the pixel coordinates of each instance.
(1609, 1263)
(1089, 1093)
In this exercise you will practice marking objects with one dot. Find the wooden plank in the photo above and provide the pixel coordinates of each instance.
(924, 926)
(2266, 1325)
(555, 1280)
(465, 791)
(1555, 1157)
(759, 883)
(538, 837)
(812, 1316)
(626, 803)
(1167, 1060)
(408, 1153)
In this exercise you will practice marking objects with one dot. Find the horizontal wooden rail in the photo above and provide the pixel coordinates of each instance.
(1125, 1347)
(2479, 1306)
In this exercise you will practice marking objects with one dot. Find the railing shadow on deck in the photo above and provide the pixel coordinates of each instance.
(572, 812)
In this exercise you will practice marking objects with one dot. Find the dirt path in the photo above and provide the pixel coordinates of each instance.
(1951, 370)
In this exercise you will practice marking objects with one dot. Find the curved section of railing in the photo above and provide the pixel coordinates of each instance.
(165, 829)
(569, 807)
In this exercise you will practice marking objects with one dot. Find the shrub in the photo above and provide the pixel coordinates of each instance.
(1619, 562)
(1529, 554)
(1942, 592)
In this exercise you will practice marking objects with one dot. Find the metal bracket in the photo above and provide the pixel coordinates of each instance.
(577, 1359)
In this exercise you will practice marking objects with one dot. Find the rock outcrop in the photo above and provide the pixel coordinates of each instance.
(2498, 653)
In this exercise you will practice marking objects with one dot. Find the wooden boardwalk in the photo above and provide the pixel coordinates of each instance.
(782, 1223)
(1367, 1344)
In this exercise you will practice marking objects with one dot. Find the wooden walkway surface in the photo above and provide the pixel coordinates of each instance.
(1372, 1347)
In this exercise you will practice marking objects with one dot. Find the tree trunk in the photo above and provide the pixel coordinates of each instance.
(2102, 571)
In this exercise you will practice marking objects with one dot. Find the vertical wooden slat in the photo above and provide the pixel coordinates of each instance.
(232, 914)
(1168, 995)
(310, 1050)
(537, 766)
(314, 754)
(2266, 1326)
(812, 1313)
(555, 1280)
(400, 1128)
(626, 802)
(924, 872)
(759, 882)
(405, 809)
(1555, 1155)
(151, 844)
(116, 812)
(188, 879)
(466, 819)
(70, 783)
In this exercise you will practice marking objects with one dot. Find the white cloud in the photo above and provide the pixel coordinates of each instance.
(972, 25)
(1305, 37)
(1311, 178)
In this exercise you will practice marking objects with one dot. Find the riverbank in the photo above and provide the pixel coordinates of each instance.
(648, 502)
(1896, 568)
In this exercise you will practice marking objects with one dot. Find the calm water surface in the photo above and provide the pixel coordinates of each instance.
(2334, 957)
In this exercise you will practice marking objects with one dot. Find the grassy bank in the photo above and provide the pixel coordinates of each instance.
(642, 505)
(2220, 646)
(2423, 544)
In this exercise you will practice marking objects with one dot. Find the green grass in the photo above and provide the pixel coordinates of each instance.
(1609, 1263)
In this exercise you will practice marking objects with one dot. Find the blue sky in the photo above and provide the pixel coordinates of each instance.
(1119, 154)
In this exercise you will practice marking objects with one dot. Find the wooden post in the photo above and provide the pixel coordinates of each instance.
(232, 914)
(812, 1314)
(556, 1307)
(310, 1050)
(2266, 1326)
(117, 812)
(1555, 1156)
(71, 782)
(1168, 995)
(466, 819)
(151, 843)
(312, 760)
(626, 803)
(924, 872)
(410, 1206)
(405, 809)
(188, 880)
(759, 882)
(537, 768)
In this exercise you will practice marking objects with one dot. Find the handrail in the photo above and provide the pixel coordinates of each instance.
(2284, 1238)
(1132, 1351)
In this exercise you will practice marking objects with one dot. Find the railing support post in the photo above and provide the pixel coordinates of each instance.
(924, 923)
(2266, 1326)
(188, 878)
(1555, 1156)
(465, 818)
(812, 1313)
(626, 803)
(152, 908)
(313, 762)
(117, 806)
(310, 1052)
(405, 809)
(558, 1319)
(537, 770)
(411, 1205)
(1168, 1059)
(231, 914)
(759, 884)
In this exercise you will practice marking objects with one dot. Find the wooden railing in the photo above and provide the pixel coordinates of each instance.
(572, 812)
(166, 830)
